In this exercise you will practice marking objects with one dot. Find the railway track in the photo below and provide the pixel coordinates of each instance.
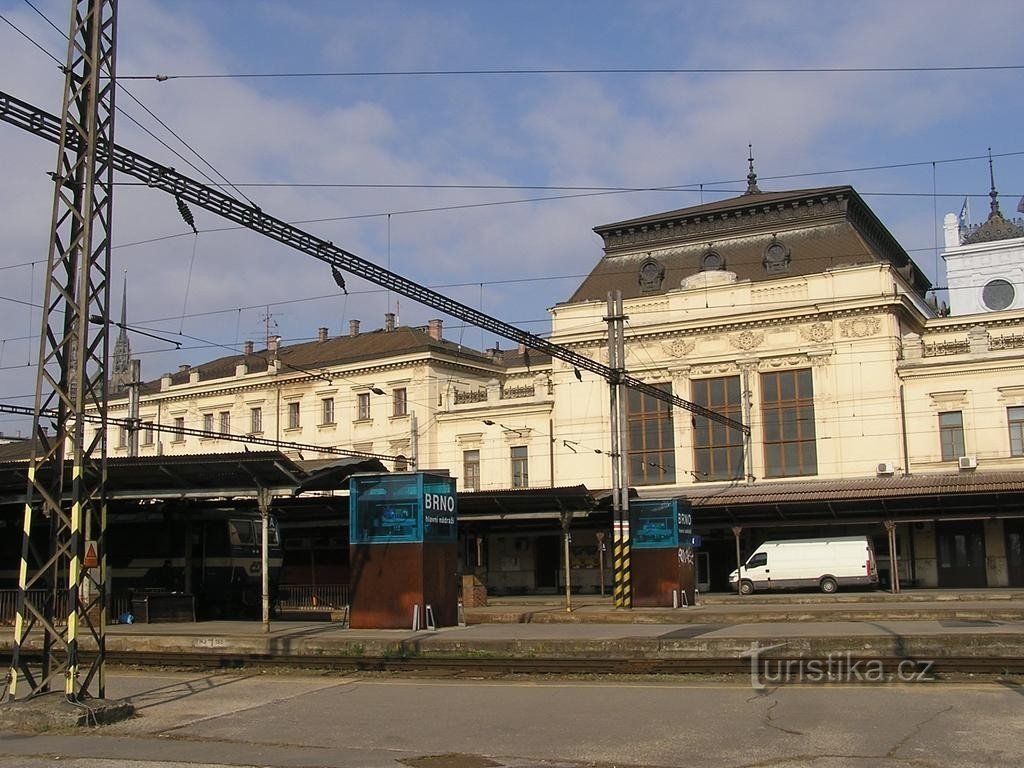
(842, 668)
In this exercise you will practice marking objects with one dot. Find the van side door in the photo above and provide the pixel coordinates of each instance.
(757, 570)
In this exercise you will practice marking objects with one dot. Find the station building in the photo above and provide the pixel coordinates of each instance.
(795, 312)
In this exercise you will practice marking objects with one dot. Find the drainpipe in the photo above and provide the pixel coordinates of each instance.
(747, 439)
(414, 441)
(903, 423)
(551, 450)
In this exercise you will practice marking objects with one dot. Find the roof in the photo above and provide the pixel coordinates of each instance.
(308, 357)
(818, 229)
(914, 497)
(199, 476)
(525, 503)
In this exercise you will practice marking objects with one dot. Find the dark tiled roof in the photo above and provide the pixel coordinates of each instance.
(338, 350)
(822, 228)
(823, 491)
(994, 229)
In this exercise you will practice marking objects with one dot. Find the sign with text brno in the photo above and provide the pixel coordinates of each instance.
(402, 507)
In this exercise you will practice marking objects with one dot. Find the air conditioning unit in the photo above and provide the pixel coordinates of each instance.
(886, 468)
(968, 462)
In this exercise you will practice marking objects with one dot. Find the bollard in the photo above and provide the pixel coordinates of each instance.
(416, 618)
(675, 598)
(462, 614)
(429, 618)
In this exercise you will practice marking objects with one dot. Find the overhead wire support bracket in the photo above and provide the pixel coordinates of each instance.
(41, 123)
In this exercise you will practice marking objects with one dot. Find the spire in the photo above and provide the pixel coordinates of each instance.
(995, 227)
(993, 195)
(751, 176)
(121, 371)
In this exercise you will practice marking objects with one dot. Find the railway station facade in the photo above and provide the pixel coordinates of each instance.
(796, 313)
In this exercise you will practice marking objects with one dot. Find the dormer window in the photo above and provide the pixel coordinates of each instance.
(652, 275)
(712, 261)
(776, 257)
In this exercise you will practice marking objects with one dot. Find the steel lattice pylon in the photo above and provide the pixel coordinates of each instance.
(62, 602)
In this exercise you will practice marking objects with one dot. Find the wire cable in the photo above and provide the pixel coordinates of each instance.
(485, 72)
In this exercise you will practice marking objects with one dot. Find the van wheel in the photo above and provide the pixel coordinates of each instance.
(746, 587)
(828, 585)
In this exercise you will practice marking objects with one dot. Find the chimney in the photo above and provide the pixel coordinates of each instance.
(434, 329)
(522, 349)
(321, 334)
(272, 343)
(183, 368)
(165, 381)
(353, 327)
(248, 348)
(389, 321)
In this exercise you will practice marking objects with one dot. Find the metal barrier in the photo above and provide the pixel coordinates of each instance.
(313, 597)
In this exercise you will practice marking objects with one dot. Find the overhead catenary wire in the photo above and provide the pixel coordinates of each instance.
(520, 71)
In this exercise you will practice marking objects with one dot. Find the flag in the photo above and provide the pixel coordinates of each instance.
(1020, 205)
(965, 212)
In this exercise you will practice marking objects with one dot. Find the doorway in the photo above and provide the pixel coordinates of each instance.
(961, 554)
(1014, 532)
(549, 562)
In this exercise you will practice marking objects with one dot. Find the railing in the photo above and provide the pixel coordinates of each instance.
(313, 597)
(9, 605)
(470, 396)
(513, 393)
(941, 348)
(1009, 341)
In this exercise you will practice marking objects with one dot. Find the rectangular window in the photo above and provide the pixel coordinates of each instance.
(122, 437)
(400, 402)
(363, 406)
(787, 406)
(327, 410)
(951, 435)
(147, 433)
(717, 449)
(255, 420)
(293, 415)
(179, 423)
(471, 470)
(650, 442)
(225, 422)
(1015, 416)
(208, 422)
(520, 467)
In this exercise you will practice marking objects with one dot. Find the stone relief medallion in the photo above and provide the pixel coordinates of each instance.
(678, 347)
(747, 340)
(816, 331)
(859, 327)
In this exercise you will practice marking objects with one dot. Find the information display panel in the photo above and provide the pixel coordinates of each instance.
(402, 507)
(654, 524)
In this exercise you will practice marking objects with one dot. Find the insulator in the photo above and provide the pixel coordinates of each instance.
(186, 214)
(339, 279)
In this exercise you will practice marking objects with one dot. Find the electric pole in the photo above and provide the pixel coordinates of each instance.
(61, 584)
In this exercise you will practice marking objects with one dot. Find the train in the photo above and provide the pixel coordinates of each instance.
(212, 553)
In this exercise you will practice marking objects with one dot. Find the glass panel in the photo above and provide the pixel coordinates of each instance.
(241, 532)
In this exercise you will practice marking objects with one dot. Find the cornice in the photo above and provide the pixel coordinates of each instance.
(742, 220)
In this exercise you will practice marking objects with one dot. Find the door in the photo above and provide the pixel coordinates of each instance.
(961, 554)
(758, 571)
(548, 563)
(1014, 531)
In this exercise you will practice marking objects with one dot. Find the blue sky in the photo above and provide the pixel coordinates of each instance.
(590, 130)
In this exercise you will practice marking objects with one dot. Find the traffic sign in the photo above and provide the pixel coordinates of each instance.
(91, 559)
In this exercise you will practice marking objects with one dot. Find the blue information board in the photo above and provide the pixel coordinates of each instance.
(663, 524)
(401, 507)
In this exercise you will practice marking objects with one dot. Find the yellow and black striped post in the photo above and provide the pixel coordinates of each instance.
(622, 593)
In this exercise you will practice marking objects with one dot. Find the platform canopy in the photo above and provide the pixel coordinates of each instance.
(200, 476)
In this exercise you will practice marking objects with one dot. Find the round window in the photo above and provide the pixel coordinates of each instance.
(998, 294)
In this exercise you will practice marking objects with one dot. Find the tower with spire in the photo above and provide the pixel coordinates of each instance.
(121, 375)
(985, 263)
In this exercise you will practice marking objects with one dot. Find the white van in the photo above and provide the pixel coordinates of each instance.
(827, 564)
